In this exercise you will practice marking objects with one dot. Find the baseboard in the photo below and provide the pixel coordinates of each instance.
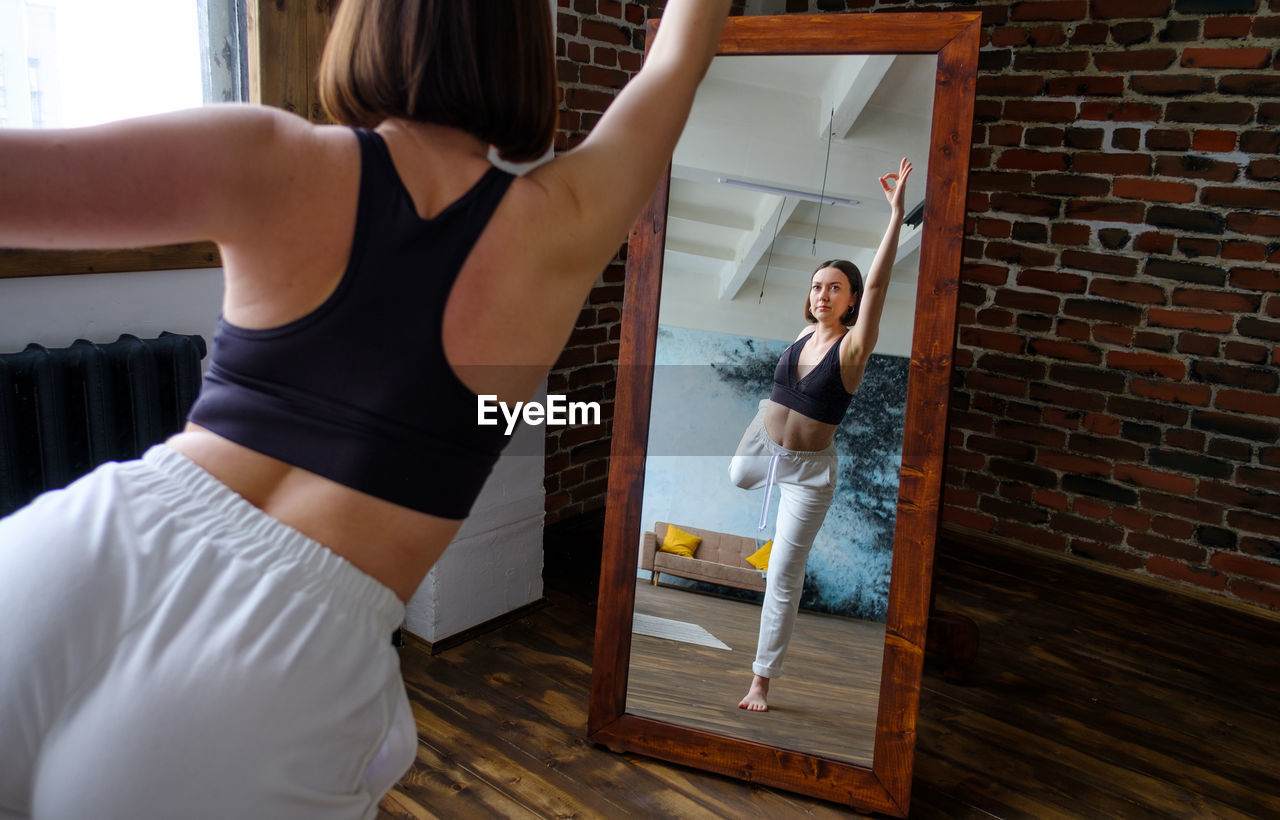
(977, 538)
(459, 638)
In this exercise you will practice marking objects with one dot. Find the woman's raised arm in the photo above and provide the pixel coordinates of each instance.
(597, 189)
(863, 335)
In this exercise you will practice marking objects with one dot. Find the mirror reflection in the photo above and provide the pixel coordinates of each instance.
(779, 171)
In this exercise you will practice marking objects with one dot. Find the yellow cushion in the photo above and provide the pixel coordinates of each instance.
(679, 542)
(760, 558)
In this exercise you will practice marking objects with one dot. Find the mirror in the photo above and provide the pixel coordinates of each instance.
(776, 171)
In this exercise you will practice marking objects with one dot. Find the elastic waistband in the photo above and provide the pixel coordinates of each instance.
(777, 449)
(204, 502)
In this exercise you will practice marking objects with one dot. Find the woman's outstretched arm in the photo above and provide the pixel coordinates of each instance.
(203, 174)
(863, 335)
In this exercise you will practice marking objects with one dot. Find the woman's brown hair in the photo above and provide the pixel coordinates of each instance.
(487, 69)
(851, 272)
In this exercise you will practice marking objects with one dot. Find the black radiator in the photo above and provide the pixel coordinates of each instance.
(65, 411)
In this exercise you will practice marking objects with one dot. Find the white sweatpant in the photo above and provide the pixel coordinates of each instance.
(806, 483)
(169, 650)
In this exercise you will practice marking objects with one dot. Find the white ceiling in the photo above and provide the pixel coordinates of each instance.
(765, 120)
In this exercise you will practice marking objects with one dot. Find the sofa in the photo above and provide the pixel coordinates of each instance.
(721, 558)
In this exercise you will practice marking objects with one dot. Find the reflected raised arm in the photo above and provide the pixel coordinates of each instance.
(861, 339)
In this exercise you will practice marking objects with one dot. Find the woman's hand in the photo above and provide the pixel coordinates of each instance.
(896, 192)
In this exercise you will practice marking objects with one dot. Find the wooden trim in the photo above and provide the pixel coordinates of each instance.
(965, 536)
(286, 38)
(20, 263)
(886, 786)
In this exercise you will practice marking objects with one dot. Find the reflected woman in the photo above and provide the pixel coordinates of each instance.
(791, 440)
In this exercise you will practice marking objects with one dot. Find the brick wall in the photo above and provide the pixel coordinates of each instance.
(1117, 383)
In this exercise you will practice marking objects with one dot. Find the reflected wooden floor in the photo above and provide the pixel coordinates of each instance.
(824, 704)
(1092, 697)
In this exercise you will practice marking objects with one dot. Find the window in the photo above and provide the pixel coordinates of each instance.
(90, 61)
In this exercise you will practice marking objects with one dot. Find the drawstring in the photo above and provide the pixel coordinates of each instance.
(768, 489)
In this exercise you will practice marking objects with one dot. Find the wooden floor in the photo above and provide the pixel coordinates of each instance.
(1092, 697)
(824, 703)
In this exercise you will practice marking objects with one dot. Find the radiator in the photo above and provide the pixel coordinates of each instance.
(65, 411)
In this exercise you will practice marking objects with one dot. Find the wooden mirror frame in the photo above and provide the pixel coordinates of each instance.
(886, 785)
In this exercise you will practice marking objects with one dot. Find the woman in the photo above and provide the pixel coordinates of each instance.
(205, 632)
(790, 442)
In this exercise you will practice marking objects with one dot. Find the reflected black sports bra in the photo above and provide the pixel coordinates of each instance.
(359, 390)
(820, 395)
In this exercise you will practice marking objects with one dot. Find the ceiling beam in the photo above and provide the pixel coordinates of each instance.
(852, 84)
(773, 213)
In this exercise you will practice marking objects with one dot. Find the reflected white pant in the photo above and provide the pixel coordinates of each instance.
(169, 650)
(806, 483)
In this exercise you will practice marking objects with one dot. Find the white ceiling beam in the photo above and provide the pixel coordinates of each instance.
(852, 84)
(770, 217)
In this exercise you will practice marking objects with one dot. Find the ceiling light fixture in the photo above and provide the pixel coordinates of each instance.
(771, 189)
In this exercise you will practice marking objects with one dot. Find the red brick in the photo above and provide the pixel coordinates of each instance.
(1219, 27)
(1052, 499)
(1056, 281)
(1113, 334)
(1069, 463)
(1189, 320)
(1122, 9)
(1102, 424)
(996, 228)
(1254, 224)
(1066, 350)
(1038, 111)
(1154, 242)
(1169, 85)
(1085, 86)
(1152, 190)
(1253, 522)
(1188, 167)
(1068, 234)
(1131, 519)
(1026, 160)
(1214, 141)
(1112, 263)
(1114, 164)
(1059, 10)
(1136, 292)
(1241, 197)
(1226, 57)
(1130, 60)
(1264, 594)
(1255, 278)
(1178, 571)
(1196, 394)
(1147, 363)
(1091, 508)
(1229, 301)
(992, 340)
(1106, 211)
(1119, 112)
(1235, 564)
(1243, 401)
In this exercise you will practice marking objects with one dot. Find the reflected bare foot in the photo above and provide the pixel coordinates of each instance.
(755, 699)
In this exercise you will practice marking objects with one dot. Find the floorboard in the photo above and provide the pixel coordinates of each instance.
(1092, 696)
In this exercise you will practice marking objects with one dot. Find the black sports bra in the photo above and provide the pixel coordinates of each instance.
(359, 390)
(820, 395)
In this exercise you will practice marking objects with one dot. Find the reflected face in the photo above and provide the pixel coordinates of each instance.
(831, 295)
